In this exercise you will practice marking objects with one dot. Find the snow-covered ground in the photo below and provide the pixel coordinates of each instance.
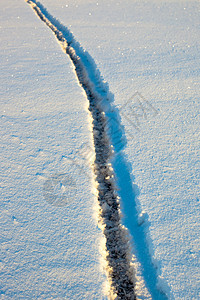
(148, 53)
(47, 251)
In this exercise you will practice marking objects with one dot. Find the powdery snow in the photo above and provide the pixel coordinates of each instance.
(148, 52)
(47, 251)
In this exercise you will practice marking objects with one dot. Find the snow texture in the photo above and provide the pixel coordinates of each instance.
(148, 52)
(49, 246)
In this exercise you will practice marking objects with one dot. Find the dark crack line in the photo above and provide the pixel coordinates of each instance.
(120, 272)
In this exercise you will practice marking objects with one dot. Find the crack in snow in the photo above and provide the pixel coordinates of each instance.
(118, 257)
(120, 273)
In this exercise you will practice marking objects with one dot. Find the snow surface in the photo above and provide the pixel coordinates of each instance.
(147, 46)
(47, 251)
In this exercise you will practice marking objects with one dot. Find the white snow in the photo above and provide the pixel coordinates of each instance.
(47, 251)
(148, 53)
